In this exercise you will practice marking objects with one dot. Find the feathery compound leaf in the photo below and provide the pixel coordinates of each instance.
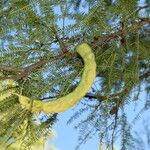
(7, 89)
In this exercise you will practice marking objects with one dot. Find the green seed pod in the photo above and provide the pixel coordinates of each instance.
(64, 103)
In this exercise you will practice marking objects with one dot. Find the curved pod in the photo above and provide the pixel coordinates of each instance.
(64, 103)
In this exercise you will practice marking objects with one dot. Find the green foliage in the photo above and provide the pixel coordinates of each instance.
(32, 31)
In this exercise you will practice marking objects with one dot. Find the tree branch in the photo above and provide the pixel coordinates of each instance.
(145, 75)
(143, 7)
(27, 70)
(62, 44)
(10, 69)
(23, 72)
(120, 33)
